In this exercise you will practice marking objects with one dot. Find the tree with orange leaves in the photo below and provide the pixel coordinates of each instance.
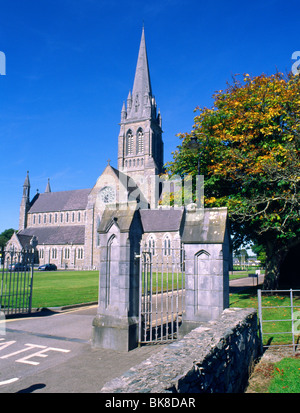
(248, 151)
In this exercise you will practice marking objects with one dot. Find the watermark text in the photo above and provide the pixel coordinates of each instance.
(2, 324)
(2, 64)
(296, 323)
(296, 65)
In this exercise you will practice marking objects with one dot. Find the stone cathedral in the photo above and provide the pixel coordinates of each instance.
(65, 223)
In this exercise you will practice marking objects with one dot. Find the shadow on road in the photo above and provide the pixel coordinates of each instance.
(32, 388)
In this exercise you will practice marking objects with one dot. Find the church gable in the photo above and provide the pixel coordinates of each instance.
(114, 187)
(19, 242)
(14, 243)
(106, 190)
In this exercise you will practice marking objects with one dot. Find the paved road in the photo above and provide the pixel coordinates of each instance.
(241, 283)
(51, 352)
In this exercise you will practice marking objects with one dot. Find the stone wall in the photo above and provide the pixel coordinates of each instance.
(216, 357)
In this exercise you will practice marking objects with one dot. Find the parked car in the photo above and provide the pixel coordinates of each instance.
(47, 267)
(18, 266)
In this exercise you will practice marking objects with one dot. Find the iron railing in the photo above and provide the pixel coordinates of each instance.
(16, 282)
(289, 318)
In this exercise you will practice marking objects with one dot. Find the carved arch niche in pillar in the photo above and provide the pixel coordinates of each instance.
(202, 281)
(202, 263)
(111, 260)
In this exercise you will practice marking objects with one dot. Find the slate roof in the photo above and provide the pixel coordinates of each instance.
(60, 201)
(56, 235)
(122, 218)
(206, 226)
(161, 220)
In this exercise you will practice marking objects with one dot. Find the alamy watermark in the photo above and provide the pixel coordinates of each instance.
(2, 64)
(157, 191)
(296, 323)
(2, 324)
(296, 65)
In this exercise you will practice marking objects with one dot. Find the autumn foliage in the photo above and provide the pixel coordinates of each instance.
(248, 151)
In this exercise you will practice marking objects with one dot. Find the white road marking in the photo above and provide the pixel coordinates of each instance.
(8, 381)
(40, 354)
(28, 347)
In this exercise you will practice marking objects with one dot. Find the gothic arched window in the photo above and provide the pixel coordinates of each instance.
(139, 141)
(129, 143)
(167, 245)
(151, 244)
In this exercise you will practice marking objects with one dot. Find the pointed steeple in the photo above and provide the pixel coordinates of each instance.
(141, 94)
(27, 182)
(25, 203)
(123, 112)
(48, 188)
(129, 100)
(140, 145)
(26, 187)
(142, 84)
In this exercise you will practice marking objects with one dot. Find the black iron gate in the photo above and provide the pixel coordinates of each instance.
(162, 280)
(16, 282)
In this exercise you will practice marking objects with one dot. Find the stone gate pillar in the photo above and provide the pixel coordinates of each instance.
(208, 259)
(116, 324)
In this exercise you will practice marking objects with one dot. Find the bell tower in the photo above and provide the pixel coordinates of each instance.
(140, 145)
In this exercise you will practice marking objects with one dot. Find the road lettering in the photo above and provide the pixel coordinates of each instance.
(29, 347)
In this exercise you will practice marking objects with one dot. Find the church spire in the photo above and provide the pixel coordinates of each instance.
(25, 203)
(142, 84)
(26, 188)
(140, 146)
(48, 188)
(139, 101)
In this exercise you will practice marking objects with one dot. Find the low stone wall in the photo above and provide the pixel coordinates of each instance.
(216, 357)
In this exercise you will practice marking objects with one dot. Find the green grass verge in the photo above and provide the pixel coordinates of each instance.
(286, 376)
(233, 275)
(59, 288)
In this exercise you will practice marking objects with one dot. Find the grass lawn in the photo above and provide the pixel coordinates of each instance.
(233, 275)
(59, 288)
(286, 376)
(165, 283)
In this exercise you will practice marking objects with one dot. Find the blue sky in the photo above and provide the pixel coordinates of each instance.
(71, 63)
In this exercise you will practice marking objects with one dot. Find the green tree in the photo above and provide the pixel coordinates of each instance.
(260, 251)
(5, 236)
(248, 151)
